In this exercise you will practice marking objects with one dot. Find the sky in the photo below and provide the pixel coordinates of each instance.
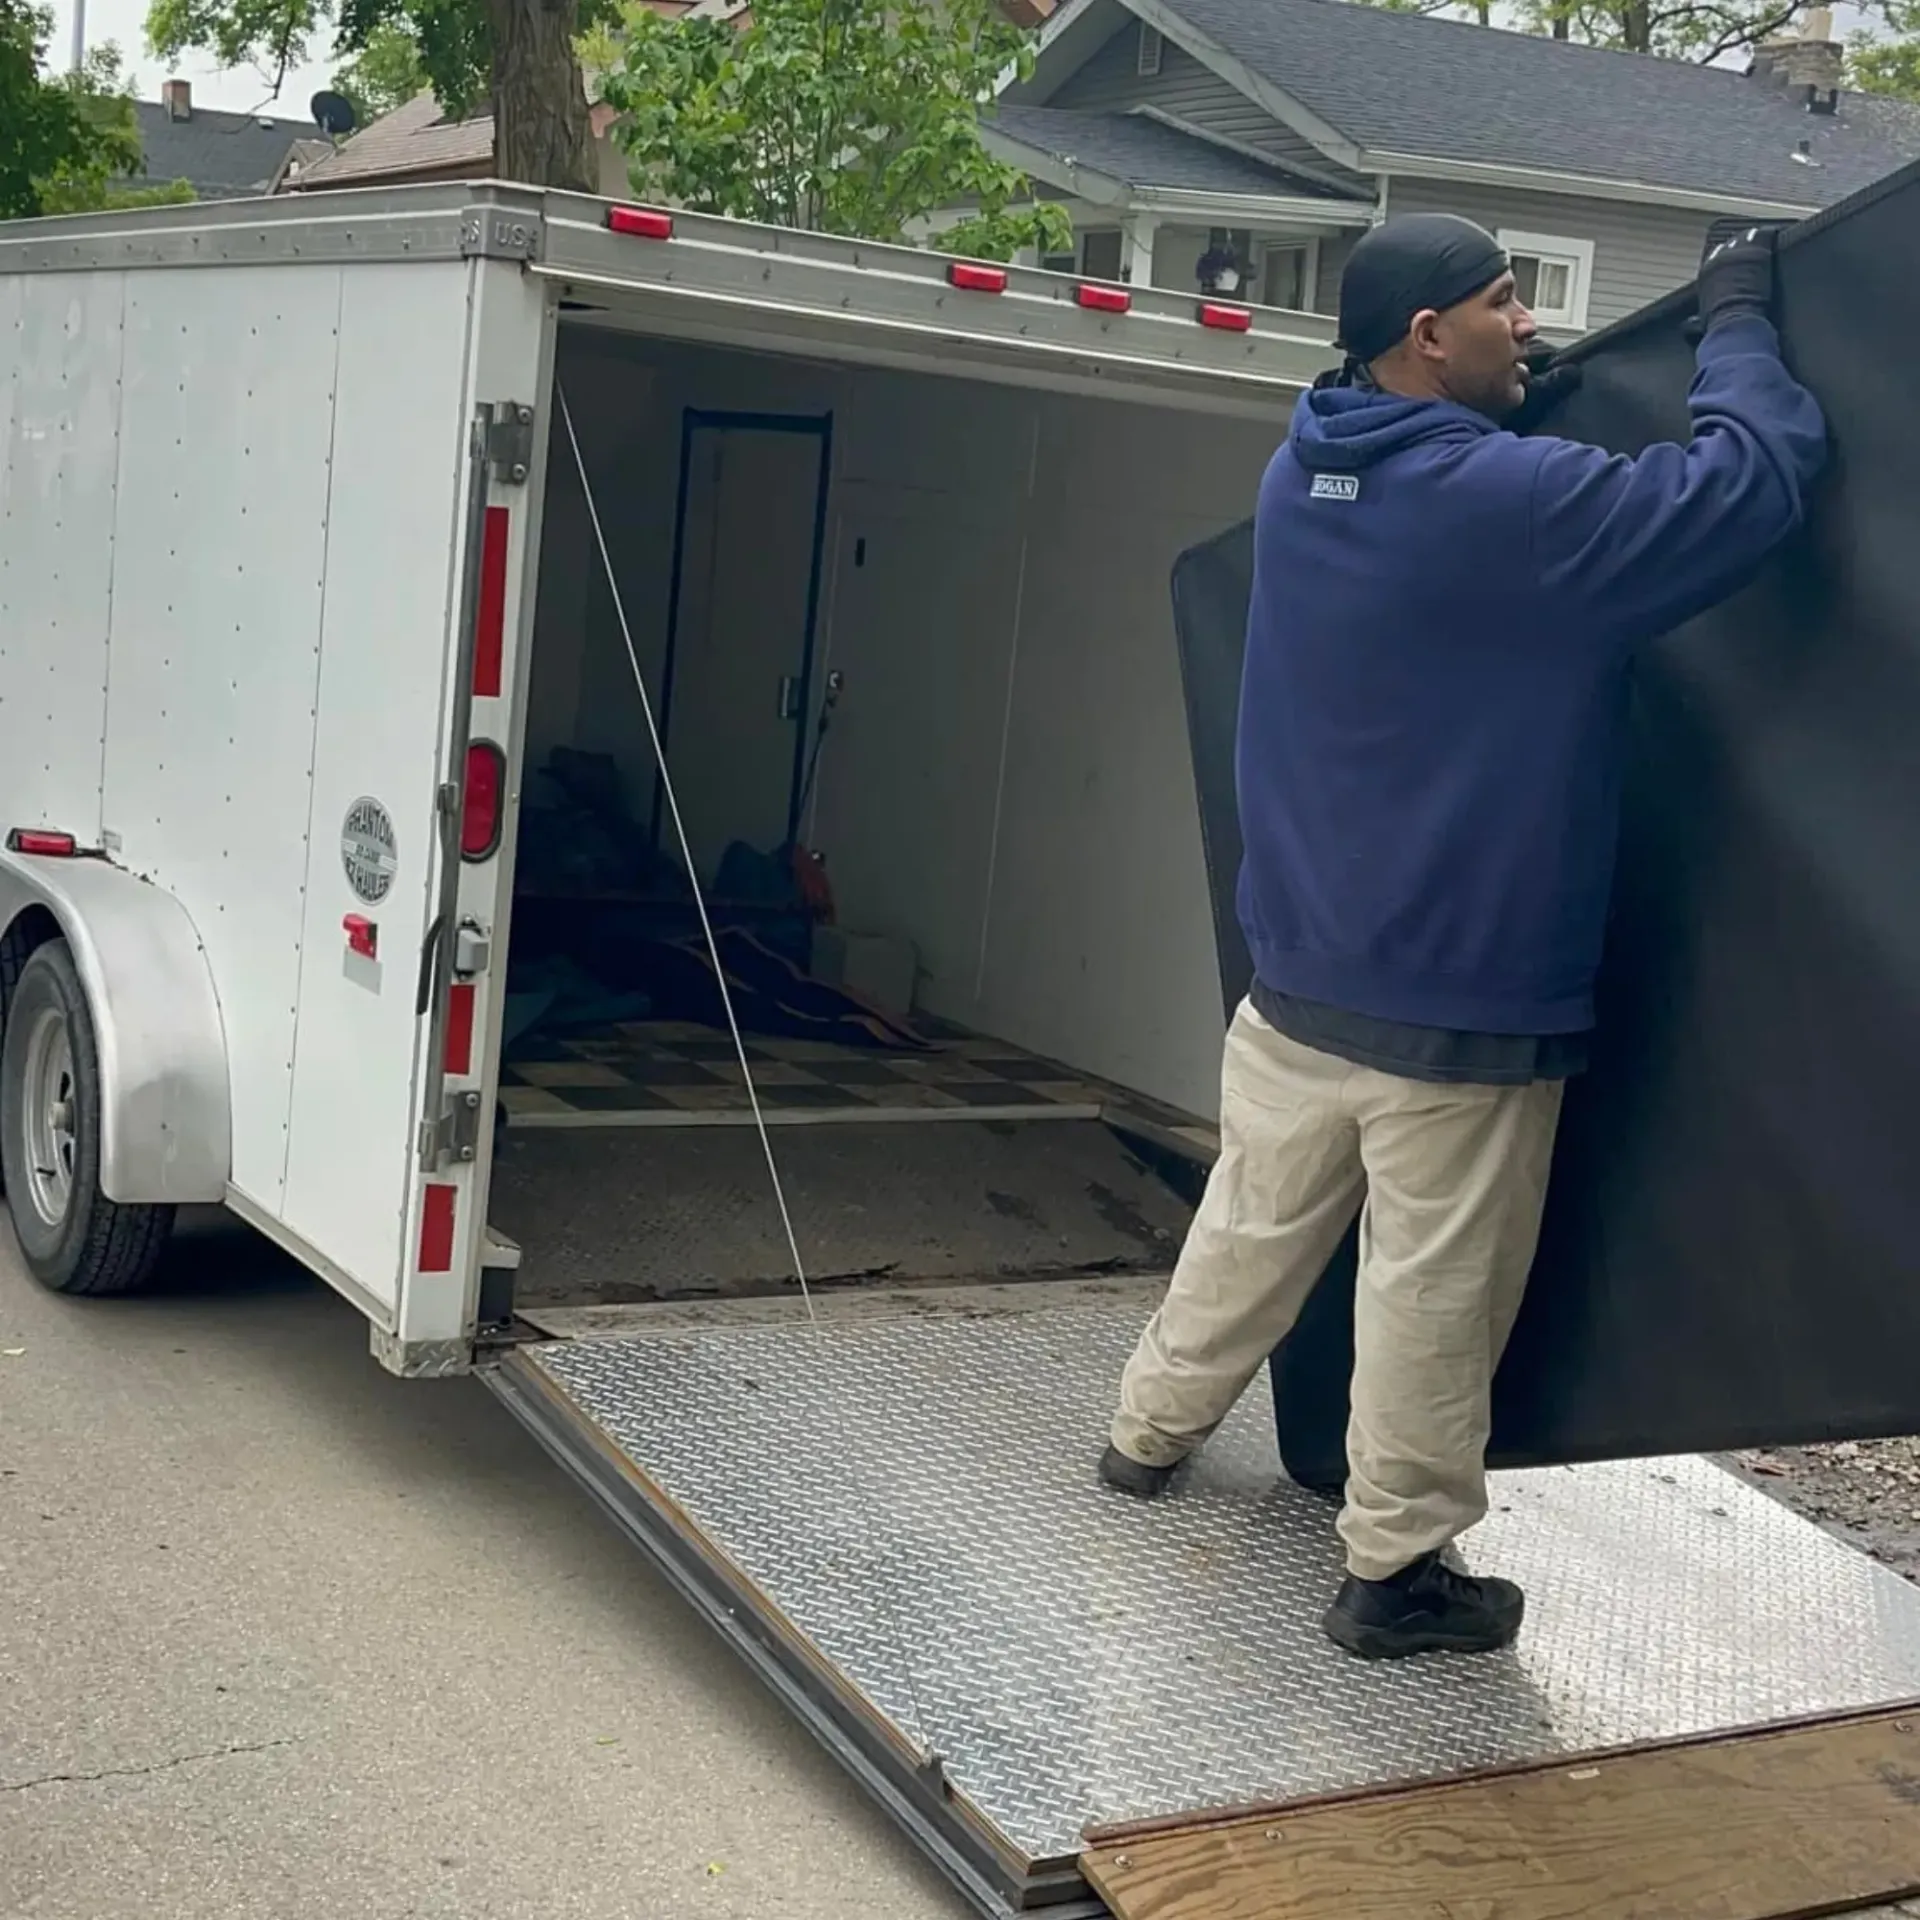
(240, 91)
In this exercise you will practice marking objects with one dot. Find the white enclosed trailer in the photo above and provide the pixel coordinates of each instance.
(329, 527)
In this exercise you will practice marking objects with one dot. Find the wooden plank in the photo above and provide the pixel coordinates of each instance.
(1781, 1823)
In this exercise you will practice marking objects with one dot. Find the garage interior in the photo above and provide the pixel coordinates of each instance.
(908, 642)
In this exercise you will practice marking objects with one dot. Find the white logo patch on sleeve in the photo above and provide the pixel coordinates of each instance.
(1335, 486)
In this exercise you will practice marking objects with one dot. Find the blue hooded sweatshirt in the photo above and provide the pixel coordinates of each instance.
(1432, 714)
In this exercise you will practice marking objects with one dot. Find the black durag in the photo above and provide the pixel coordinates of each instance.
(1404, 267)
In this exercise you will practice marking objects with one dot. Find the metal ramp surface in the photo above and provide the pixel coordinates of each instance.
(897, 1521)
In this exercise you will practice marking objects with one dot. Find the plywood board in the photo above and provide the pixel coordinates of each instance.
(1778, 1824)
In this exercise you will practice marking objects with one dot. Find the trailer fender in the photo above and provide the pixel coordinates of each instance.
(166, 1127)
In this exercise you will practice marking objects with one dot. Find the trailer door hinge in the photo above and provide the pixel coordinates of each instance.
(510, 442)
(454, 1136)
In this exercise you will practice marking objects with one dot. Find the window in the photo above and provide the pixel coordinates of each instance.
(1554, 277)
(1286, 277)
(1096, 254)
(1148, 63)
(1100, 254)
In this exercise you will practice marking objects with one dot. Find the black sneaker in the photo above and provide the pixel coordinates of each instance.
(1429, 1607)
(1133, 1476)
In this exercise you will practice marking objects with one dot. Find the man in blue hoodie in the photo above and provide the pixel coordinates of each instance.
(1432, 726)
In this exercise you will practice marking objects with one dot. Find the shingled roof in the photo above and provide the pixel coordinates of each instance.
(1140, 151)
(1395, 83)
(416, 139)
(222, 156)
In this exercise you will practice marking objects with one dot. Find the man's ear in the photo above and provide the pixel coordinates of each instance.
(1424, 332)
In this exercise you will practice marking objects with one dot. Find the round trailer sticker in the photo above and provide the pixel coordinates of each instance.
(369, 851)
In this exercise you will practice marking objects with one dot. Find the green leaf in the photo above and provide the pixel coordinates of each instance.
(68, 143)
(837, 115)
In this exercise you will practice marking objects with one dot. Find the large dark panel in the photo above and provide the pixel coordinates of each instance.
(1732, 1249)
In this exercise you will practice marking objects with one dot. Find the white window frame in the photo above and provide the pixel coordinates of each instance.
(1307, 244)
(1087, 234)
(1152, 50)
(1074, 260)
(1558, 250)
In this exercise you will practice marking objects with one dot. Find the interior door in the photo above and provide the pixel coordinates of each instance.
(746, 589)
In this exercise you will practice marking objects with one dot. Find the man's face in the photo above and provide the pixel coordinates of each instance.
(1477, 348)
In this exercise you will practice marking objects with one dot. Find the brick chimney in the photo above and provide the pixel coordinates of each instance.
(176, 96)
(1808, 65)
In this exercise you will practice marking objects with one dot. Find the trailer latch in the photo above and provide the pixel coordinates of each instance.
(510, 442)
(471, 950)
(455, 1135)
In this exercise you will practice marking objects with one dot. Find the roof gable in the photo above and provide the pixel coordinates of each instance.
(1406, 84)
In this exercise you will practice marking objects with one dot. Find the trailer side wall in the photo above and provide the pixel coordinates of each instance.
(230, 498)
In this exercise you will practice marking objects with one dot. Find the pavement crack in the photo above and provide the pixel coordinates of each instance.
(135, 1773)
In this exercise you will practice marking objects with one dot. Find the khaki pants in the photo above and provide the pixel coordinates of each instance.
(1449, 1182)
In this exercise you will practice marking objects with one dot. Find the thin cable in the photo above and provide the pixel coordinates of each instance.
(733, 1022)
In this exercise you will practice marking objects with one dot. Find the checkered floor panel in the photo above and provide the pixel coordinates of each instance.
(665, 1068)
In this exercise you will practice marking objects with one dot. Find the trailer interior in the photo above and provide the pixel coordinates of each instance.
(907, 641)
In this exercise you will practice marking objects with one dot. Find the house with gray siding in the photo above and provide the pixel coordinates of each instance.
(1240, 147)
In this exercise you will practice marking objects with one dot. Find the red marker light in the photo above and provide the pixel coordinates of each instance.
(1225, 319)
(490, 615)
(971, 277)
(438, 1212)
(480, 809)
(363, 936)
(43, 841)
(640, 223)
(1104, 299)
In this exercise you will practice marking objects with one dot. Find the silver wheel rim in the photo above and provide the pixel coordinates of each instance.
(49, 1109)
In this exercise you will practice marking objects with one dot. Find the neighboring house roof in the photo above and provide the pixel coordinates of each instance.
(301, 155)
(222, 156)
(1139, 151)
(412, 140)
(418, 142)
(1403, 84)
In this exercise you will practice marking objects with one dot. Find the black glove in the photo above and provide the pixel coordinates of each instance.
(1736, 272)
(1548, 383)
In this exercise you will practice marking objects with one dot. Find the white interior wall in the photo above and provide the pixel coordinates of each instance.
(1014, 668)
(628, 400)
(1008, 780)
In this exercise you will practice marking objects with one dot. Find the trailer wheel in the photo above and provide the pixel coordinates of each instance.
(73, 1238)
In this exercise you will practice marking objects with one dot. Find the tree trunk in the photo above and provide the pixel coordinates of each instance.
(1636, 26)
(540, 130)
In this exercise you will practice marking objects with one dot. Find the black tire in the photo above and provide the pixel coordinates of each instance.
(72, 1237)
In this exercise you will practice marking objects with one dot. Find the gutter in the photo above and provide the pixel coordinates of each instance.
(1414, 166)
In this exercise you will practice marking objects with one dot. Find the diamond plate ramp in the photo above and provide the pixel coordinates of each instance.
(906, 1516)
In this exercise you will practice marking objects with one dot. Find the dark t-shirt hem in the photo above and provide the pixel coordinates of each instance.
(1436, 1054)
